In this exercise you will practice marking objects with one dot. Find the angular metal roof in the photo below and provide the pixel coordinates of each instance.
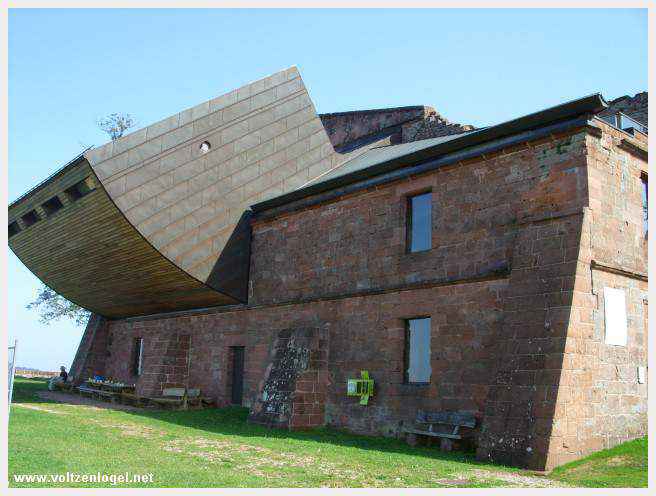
(384, 160)
(383, 154)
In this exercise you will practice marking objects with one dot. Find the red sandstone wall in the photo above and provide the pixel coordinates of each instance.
(600, 402)
(510, 347)
(365, 333)
(347, 127)
(359, 242)
(93, 353)
(636, 106)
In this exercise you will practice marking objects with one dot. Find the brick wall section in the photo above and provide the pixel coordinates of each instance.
(531, 345)
(400, 125)
(432, 126)
(352, 334)
(635, 107)
(359, 242)
(600, 402)
(347, 127)
(508, 287)
(93, 351)
(165, 358)
(166, 363)
(293, 394)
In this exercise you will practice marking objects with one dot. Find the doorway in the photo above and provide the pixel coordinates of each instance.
(237, 375)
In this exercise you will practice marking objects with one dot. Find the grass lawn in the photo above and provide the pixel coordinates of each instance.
(624, 465)
(217, 448)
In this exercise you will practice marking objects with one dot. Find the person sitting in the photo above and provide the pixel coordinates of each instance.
(63, 374)
(58, 381)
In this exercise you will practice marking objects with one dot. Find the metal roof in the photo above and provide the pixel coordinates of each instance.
(385, 159)
(383, 154)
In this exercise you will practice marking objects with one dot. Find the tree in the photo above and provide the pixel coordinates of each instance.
(50, 305)
(116, 124)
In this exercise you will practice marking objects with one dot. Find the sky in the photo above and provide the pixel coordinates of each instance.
(68, 67)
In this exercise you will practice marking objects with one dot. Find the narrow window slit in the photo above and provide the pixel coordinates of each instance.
(30, 218)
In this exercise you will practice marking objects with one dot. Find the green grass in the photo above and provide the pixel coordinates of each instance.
(624, 465)
(218, 448)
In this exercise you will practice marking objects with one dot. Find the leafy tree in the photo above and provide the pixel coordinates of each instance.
(50, 305)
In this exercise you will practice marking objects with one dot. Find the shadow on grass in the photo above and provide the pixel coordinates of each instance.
(231, 421)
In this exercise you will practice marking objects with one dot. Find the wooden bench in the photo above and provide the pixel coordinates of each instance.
(443, 425)
(178, 398)
(107, 395)
(130, 398)
(96, 393)
(85, 390)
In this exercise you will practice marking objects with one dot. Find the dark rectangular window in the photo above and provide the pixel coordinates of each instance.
(78, 190)
(30, 218)
(645, 203)
(419, 222)
(137, 356)
(52, 205)
(417, 351)
(13, 229)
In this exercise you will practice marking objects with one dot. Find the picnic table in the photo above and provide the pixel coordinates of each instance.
(126, 393)
(108, 390)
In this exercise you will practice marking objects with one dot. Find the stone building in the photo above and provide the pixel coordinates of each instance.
(266, 254)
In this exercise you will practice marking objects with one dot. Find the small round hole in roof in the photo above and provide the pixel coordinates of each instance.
(205, 147)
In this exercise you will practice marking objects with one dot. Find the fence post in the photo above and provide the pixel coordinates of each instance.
(12, 367)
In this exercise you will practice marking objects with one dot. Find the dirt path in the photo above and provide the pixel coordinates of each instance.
(74, 399)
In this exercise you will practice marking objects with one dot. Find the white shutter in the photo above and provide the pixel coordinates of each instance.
(615, 316)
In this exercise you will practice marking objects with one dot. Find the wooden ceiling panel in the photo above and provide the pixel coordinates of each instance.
(89, 253)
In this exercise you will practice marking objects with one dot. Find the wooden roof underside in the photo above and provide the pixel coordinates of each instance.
(90, 254)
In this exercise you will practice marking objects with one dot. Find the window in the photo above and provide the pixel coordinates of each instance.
(78, 190)
(137, 354)
(417, 351)
(13, 229)
(52, 205)
(30, 218)
(615, 316)
(205, 147)
(419, 222)
(645, 203)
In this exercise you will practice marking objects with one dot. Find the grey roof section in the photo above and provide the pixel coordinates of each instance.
(411, 154)
(383, 154)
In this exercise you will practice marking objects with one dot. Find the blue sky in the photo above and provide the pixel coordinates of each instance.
(67, 68)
